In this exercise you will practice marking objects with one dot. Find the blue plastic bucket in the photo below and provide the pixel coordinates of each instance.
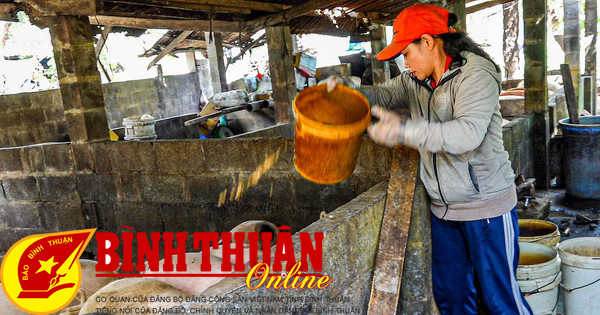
(582, 157)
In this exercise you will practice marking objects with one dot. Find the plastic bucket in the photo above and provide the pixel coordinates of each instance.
(329, 129)
(582, 157)
(581, 274)
(139, 128)
(538, 231)
(539, 276)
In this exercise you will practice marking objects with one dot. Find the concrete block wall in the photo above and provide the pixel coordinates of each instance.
(356, 225)
(27, 118)
(38, 117)
(203, 67)
(164, 186)
(518, 143)
(160, 97)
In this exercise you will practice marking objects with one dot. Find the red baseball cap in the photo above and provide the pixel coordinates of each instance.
(412, 23)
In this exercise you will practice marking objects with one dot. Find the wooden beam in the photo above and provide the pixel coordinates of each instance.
(252, 5)
(191, 25)
(290, 13)
(170, 47)
(485, 5)
(389, 264)
(184, 5)
(572, 104)
(248, 47)
(8, 11)
(102, 39)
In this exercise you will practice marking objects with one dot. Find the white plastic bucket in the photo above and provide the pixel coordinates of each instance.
(581, 275)
(539, 276)
(539, 231)
(139, 128)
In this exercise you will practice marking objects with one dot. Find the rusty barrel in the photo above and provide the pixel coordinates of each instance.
(329, 129)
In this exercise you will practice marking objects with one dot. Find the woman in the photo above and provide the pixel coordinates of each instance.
(452, 89)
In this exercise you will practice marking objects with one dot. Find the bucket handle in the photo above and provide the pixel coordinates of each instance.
(577, 288)
(545, 285)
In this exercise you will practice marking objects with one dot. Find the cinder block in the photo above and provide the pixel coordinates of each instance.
(183, 217)
(97, 187)
(58, 157)
(58, 188)
(82, 156)
(507, 139)
(90, 214)
(101, 154)
(163, 189)
(96, 124)
(143, 217)
(21, 189)
(206, 188)
(35, 159)
(20, 215)
(91, 94)
(233, 155)
(64, 216)
(181, 156)
(9, 119)
(106, 216)
(9, 236)
(127, 156)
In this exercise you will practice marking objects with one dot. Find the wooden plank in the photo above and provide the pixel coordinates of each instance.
(485, 5)
(191, 25)
(184, 5)
(170, 47)
(248, 47)
(572, 105)
(252, 5)
(387, 277)
(102, 39)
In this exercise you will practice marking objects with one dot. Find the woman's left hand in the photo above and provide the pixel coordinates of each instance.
(388, 129)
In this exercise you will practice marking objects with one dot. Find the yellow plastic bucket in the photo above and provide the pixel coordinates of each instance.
(538, 231)
(329, 129)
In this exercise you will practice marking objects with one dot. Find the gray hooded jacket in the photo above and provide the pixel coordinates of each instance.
(457, 128)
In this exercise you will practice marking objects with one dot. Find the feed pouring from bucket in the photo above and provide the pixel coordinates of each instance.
(329, 129)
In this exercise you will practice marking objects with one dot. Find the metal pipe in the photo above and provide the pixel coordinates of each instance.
(251, 107)
(258, 105)
(216, 114)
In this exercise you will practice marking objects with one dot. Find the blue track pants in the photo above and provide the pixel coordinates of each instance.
(486, 250)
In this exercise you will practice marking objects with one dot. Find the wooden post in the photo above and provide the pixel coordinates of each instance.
(216, 63)
(458, 7)
(571, 42)
(591, 29)
(281, 69)
(380, 69)
(387, 277)
(536, 86)
(80, 86)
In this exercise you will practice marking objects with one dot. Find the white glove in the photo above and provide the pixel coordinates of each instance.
(333, 80)
(389, 130)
